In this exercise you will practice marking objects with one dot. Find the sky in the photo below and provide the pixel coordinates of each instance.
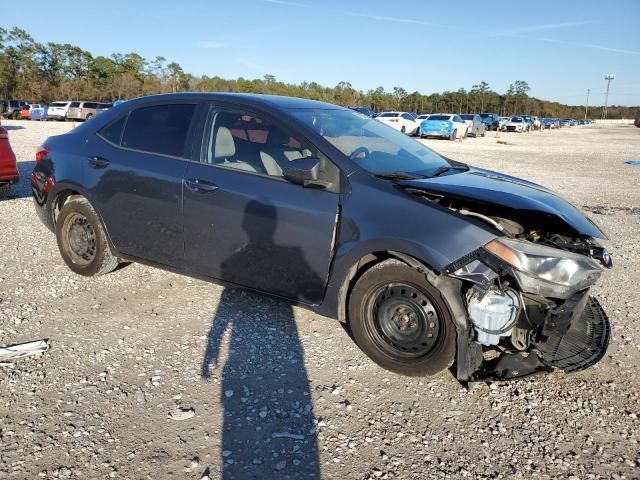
(561, 47)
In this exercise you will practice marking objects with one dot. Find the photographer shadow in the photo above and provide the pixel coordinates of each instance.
(268, 427)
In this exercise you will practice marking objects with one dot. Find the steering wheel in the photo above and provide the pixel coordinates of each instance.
(360, 153)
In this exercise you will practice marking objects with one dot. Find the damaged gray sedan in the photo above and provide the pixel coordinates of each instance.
(430, 262)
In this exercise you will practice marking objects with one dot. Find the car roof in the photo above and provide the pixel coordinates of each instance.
(273, 101)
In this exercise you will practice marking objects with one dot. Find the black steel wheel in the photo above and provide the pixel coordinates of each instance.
(401, 321)
(82, 241)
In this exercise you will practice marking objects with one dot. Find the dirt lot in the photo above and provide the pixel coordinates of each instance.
(279, 392)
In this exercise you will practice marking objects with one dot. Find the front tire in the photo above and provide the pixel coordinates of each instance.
(401, 321)
(82, 241)
(454, 135)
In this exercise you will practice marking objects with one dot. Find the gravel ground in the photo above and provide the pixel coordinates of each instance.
(264, 390)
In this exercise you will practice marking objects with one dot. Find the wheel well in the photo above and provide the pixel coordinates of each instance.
(60, 200)
(364, 264)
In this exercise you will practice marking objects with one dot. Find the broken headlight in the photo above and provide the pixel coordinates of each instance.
(546, 271)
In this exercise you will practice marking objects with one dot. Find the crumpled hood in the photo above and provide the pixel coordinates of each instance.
(511, 192)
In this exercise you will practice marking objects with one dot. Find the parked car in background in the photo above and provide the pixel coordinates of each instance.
(80, 111)
(24, 112)
(364, 110)
(517, 124)
(550, 123)
(39, 112)
(475, 126)
(58, 110)
(8, 167)
(446, 125)
(636, 121)
(431, 262)
(566, 122)
(103, 107)
(491, 120)
(13, 109)
(404, 122)
(502, 122)
(27, 111)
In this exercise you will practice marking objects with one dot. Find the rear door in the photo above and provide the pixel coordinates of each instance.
(134, 174)
(244, 222)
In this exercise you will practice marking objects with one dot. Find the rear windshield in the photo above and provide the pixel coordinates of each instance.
(467, 117)
(516, 119)
(59, 104)
(389, 114)
(486, 115)
(440, 117)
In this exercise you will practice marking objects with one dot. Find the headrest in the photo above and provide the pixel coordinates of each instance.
(277, 137)
(225, 147)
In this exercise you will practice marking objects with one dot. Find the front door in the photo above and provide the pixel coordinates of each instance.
(244, 222)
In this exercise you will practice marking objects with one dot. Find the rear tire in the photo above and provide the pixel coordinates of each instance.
(403, 129)
(88, 117)
(82, 241)
(16, 115)
(401, 321)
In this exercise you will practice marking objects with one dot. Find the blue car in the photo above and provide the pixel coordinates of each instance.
(429, 261)
(39, 113)
(443, 126)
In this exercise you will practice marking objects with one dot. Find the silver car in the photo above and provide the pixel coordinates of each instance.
(81, 110)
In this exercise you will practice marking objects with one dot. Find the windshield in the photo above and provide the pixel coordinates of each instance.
(467, 117)
(440, 117)
(486, 115)
(516, 120)
(372, 145)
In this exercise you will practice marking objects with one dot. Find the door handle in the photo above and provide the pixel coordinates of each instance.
(98, 162)
(201, 186)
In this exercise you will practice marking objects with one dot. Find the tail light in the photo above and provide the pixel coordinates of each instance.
(42, 152)
(4, 135)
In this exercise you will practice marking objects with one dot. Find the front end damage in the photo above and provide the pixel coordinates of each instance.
(521, 302)
(527, 302)
(514, 331)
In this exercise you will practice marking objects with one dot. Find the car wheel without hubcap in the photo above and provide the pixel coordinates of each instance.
(403, 129)
(400, 320)
(82, 241)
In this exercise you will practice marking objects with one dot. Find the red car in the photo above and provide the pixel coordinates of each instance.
(8, 168)
(25, 113)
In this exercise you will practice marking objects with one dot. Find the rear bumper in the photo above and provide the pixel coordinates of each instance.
(434, 133)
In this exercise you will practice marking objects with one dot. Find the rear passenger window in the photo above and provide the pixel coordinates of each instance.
(159, 129)
(113, 131)
(90, 105)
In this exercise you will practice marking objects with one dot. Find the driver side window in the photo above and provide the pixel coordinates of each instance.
(249, 143)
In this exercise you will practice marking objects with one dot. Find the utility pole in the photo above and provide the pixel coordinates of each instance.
(586, 108)
(608, 77)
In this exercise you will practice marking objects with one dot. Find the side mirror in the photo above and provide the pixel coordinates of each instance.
(303, 171)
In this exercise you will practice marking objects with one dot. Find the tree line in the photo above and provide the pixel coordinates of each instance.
(39, 72)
